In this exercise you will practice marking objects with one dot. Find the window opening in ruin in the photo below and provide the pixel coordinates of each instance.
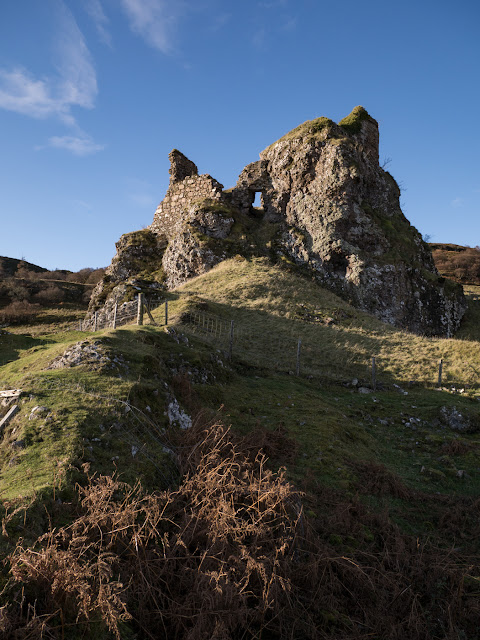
(257, 202)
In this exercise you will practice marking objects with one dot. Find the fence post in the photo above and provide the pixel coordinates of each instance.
(299, 346)
(374, 374)
(79, 325)
(440, 367)
(230, 346)
(115, 315)
(166, 313)
(95, 320)
(140, 309)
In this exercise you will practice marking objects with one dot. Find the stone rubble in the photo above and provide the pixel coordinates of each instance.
(452, 418)
(177, 416)
(90, 354)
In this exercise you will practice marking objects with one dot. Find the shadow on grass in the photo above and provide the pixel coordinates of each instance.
(12, 345)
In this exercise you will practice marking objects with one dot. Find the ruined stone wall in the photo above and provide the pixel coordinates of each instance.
(253, 179)
(330, 207)
(186, 188)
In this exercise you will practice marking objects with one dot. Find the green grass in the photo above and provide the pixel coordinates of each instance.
(273, 307)
(332, 425)
(353, 122)
(321, 127)
(87, 418)
(311, 129)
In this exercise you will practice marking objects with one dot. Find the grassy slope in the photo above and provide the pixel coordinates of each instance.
(333, 425)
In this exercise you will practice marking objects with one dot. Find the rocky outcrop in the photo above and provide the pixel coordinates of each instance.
(327, 206)
(135, 267)
(341, 218)
(183, 240)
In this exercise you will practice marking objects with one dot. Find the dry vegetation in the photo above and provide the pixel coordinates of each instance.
(458, 263)
(231, 555)
(203, 561)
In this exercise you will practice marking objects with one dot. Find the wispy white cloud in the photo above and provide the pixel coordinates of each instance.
(75, 84)
(22, 93)
(82, 145)
(78, 79)
(96, 13)
(154, 21)
(457, 203)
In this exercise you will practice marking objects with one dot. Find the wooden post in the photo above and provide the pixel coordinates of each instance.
(6, 419)
(230, 346)
(440, 367)
(166, 313)
(374, 374)
(95, 321)
(114, 325)
(79, 325)
(299, 346)
(152, 319)
(140, 309)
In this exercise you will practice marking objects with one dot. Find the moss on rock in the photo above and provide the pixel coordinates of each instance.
(353, 122)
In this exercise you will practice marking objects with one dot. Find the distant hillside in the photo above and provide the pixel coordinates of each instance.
(461, 264)
(9, 266)
(26, 289)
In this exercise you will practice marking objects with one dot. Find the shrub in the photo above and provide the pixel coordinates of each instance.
(50, 295)
(461, 264)
(15, 290)
(19, 312)
(211, 557)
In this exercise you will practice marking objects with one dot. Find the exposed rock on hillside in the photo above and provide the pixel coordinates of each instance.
(326, 206)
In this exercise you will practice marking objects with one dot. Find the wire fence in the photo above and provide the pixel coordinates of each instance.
(270, 349)
(267, 347)
(138, 310)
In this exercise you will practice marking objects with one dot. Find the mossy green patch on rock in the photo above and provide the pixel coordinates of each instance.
(353, 122)
(311, 128)
(141, 237)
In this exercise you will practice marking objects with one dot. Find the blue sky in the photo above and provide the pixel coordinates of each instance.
(95, 93)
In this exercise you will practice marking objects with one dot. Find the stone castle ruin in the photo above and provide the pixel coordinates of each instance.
(327, 206)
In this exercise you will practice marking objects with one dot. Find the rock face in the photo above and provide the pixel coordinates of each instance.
(327, 205)
(342, 218)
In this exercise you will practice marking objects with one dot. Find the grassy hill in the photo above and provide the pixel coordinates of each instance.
(382, 538)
